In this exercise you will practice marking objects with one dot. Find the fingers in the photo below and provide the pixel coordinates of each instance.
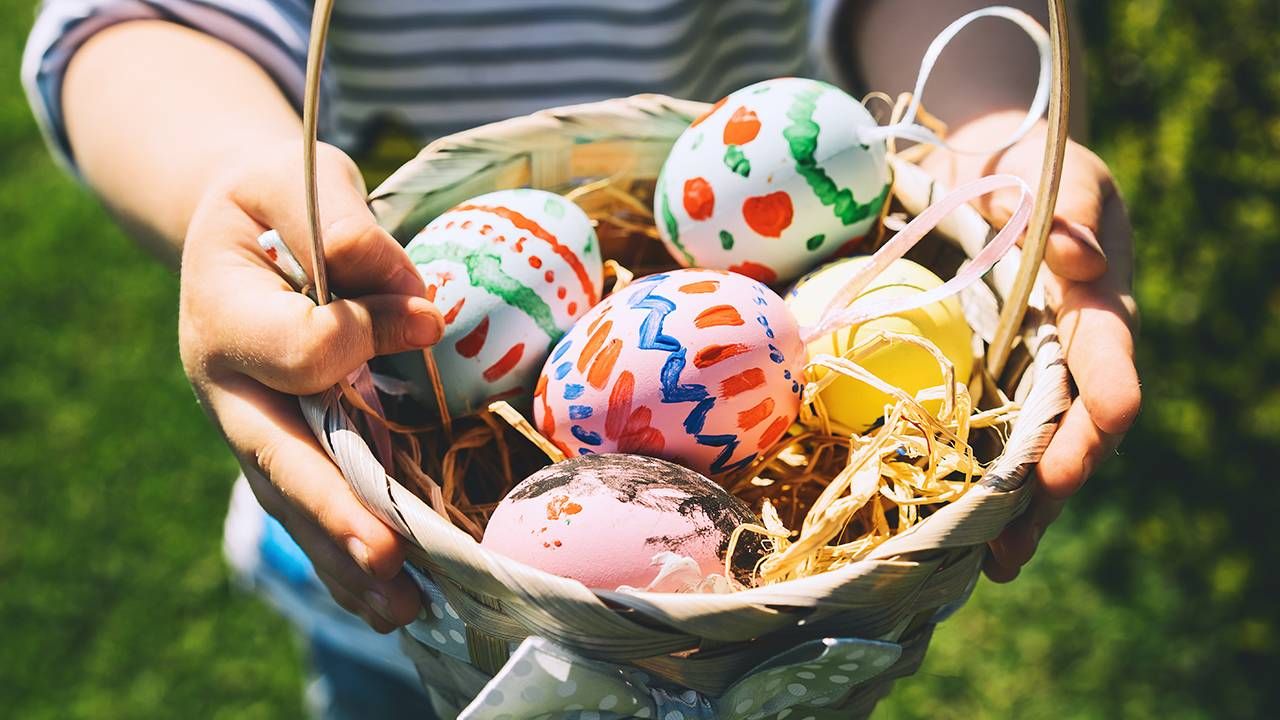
(292, 345)
(239, 317)
(268, 435)
(1084, 190)
(1072, 250)
(1096, 321)
(1099, 350)
(1075, 451)
(385, 604)
(360, 256)
(1016, 545)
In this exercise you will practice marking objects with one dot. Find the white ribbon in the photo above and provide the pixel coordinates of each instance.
(907, 128)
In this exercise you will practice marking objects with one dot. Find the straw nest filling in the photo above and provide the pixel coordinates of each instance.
(826, 497)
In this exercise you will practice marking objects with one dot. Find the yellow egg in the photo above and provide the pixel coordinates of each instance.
(853, 403)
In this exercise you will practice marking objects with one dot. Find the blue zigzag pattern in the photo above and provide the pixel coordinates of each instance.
(674, 391)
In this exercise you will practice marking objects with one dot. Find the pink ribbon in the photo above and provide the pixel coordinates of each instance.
(840, 314)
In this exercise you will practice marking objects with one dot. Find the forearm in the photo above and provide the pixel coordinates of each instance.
(991, 66)
(154, 111)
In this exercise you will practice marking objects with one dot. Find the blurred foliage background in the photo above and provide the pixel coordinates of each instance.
(1155, 595)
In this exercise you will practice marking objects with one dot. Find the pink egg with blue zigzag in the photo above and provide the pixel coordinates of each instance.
(700, 367)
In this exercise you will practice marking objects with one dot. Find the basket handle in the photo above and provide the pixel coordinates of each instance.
(1032, 249)
(310, 129)
(1033, 246)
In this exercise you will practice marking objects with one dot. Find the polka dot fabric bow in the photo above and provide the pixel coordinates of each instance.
(545, 680)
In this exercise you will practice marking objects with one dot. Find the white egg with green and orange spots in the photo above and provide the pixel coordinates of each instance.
(772, 181)
(510, 271)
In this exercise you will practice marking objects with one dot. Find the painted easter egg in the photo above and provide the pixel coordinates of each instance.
(602, 519)
(771, 181)
(510, 271)
(701, 367)
(852, 403)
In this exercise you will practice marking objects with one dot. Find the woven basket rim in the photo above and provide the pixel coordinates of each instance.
(474, 144)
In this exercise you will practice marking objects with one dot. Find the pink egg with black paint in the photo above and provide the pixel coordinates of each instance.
(701, 367)
(510, 271)
(774, 179)
(603, 519)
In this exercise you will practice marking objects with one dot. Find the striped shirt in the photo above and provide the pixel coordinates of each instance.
(439, 67)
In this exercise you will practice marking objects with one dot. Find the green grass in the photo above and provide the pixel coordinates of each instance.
(1154, 596)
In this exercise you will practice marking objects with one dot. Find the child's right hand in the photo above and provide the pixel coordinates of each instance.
(250, 343)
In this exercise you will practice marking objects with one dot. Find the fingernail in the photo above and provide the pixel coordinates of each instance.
(378, 602)
(1087, 237)
(422, 328)
(360, 553)
(405, 282)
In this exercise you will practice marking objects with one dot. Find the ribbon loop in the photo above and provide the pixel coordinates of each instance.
(843, 310)
(908, 129)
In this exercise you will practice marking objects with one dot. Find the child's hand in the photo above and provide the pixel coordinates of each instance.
(250, 343)
(1090, 258)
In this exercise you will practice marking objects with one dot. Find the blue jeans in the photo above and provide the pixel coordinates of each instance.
(354, 671)
(343, 687)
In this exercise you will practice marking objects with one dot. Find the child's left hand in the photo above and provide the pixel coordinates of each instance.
(1090, 259)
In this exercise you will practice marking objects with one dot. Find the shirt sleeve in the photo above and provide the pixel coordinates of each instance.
(271, 32)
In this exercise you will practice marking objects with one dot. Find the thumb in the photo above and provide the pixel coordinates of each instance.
(333, 339)
(360, 257)
(290, 344)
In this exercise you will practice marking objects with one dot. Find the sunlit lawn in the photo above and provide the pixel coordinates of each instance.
(1153, 597)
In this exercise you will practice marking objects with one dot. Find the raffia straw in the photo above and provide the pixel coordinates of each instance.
(827, 497)
(351, 396)
(907, 466)
(437, 388)
(409, 465)
(611, 186)
(917, 152)
(877, 95)
(622, 277)
(525, 428)
(504, 452)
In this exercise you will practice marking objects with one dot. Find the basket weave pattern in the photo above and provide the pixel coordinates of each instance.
(702, 642)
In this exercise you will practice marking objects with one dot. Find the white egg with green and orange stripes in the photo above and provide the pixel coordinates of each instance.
(771, 181)
(510, 271)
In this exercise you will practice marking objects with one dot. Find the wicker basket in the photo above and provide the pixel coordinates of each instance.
(865, 624)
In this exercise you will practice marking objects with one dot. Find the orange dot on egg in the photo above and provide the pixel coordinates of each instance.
(699, 199)
(573, 308)
(742, 127)
(549, 276)
(768, 214)
(535, 262)
(561, 292)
